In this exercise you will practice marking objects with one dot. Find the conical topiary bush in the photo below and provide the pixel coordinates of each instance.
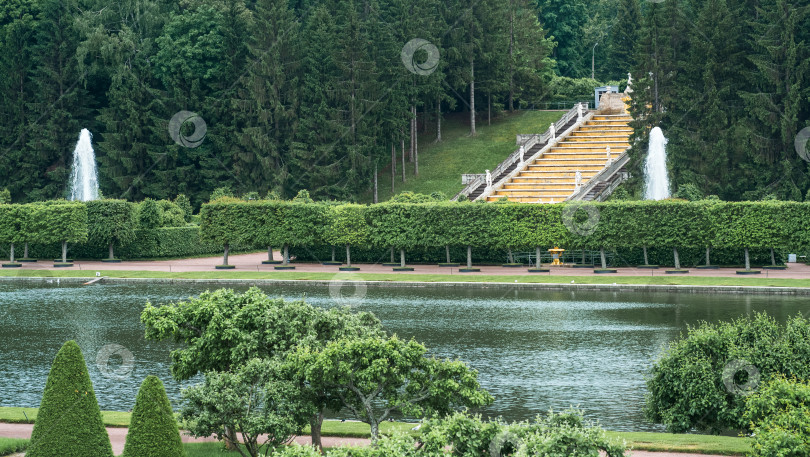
(69, 420)
(153, 428)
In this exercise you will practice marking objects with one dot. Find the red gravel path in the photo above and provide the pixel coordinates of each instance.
(118, 437)
(252, 262)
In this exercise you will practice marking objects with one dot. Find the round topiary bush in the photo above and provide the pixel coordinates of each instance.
(153, 428)
(69, 421)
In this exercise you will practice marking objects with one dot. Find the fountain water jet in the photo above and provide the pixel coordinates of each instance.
(656, 180)
(83, 174)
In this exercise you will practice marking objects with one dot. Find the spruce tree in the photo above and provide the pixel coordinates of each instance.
(624, 36)
(153, 429)
(69, 420)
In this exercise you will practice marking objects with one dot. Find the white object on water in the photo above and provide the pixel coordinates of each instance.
(656, 179)
(83, 174)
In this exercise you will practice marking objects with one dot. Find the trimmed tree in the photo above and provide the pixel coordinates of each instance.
(153, 429)
(69, 421)
(60, 222)
(348, 227)
(110, 222)
(11, 227)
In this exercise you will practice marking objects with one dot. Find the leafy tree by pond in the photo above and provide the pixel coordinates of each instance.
(701, 380)
(222, 330)
(375, 377)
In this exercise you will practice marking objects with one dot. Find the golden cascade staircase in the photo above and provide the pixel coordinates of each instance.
(551, 177)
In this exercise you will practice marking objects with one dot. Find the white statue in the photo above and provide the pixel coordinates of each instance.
(489, 179)
(608, 154)
(553, 130)
(629, 79)
(579, 111)
(578, 180)
(522, 152)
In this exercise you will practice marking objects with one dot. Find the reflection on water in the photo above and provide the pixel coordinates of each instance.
(534, 350)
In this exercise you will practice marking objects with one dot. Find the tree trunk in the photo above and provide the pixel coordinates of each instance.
(583, 257)
(413, 132)
(402, 258)
(646, 260)
(415, 144)
(469, 256)
(708, 249)
(25, 250)
(225, 257)
(392, 254)
(11, 253)
(393, 166)
(348, 255)
(537, 261)
(773, 258)
(375, 184)
(439, 120)
(602, 255)
(472, 97)
(270, 253)
(509, 256)
(112, 253)
(677, 259)
(286, 254)
(403, 160)
(511, 58)
(375, 431)
(64, 251)
(489, 109)
(231, 439)
(747, 260)
(315, 424)
(333, 253)
(447, 252)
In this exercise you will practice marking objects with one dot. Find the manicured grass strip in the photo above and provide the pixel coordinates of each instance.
(699, 444)
(353, 429)
(28, 416)
(429, 278)
(12, 445)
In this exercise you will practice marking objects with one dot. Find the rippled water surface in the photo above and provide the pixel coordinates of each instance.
(534, 350)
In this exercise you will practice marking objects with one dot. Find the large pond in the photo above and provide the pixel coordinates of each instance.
(534, 350)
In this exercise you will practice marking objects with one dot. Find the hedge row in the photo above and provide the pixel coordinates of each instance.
(670, 224)
(147, 244)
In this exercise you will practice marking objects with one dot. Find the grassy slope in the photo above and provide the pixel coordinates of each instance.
(416, 277)
(706, 444)
(442, 164)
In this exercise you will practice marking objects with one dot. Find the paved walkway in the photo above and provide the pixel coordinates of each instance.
(253, 262)
(118, 437)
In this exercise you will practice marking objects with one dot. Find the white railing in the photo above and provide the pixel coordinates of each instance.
(604, 175)
(528, 142)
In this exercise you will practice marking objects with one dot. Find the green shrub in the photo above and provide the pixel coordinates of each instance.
(69, 420)
(153, 429)
(171, 215)
(185, 204)
(303, 197)
(5, 196)
(149, 215)
(701, 381)
(779, 414)
(220, 192)
(689, 192)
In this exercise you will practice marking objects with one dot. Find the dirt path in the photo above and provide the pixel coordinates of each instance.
(118, 437)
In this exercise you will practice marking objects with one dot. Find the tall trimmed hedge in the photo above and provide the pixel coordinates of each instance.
(69, 421)
(668, 224)
(153, 429)
(110, 222)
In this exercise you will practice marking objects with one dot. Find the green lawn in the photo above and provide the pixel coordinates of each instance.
(659, 279)
(11, 445)
(700, 444)
(442, 164)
